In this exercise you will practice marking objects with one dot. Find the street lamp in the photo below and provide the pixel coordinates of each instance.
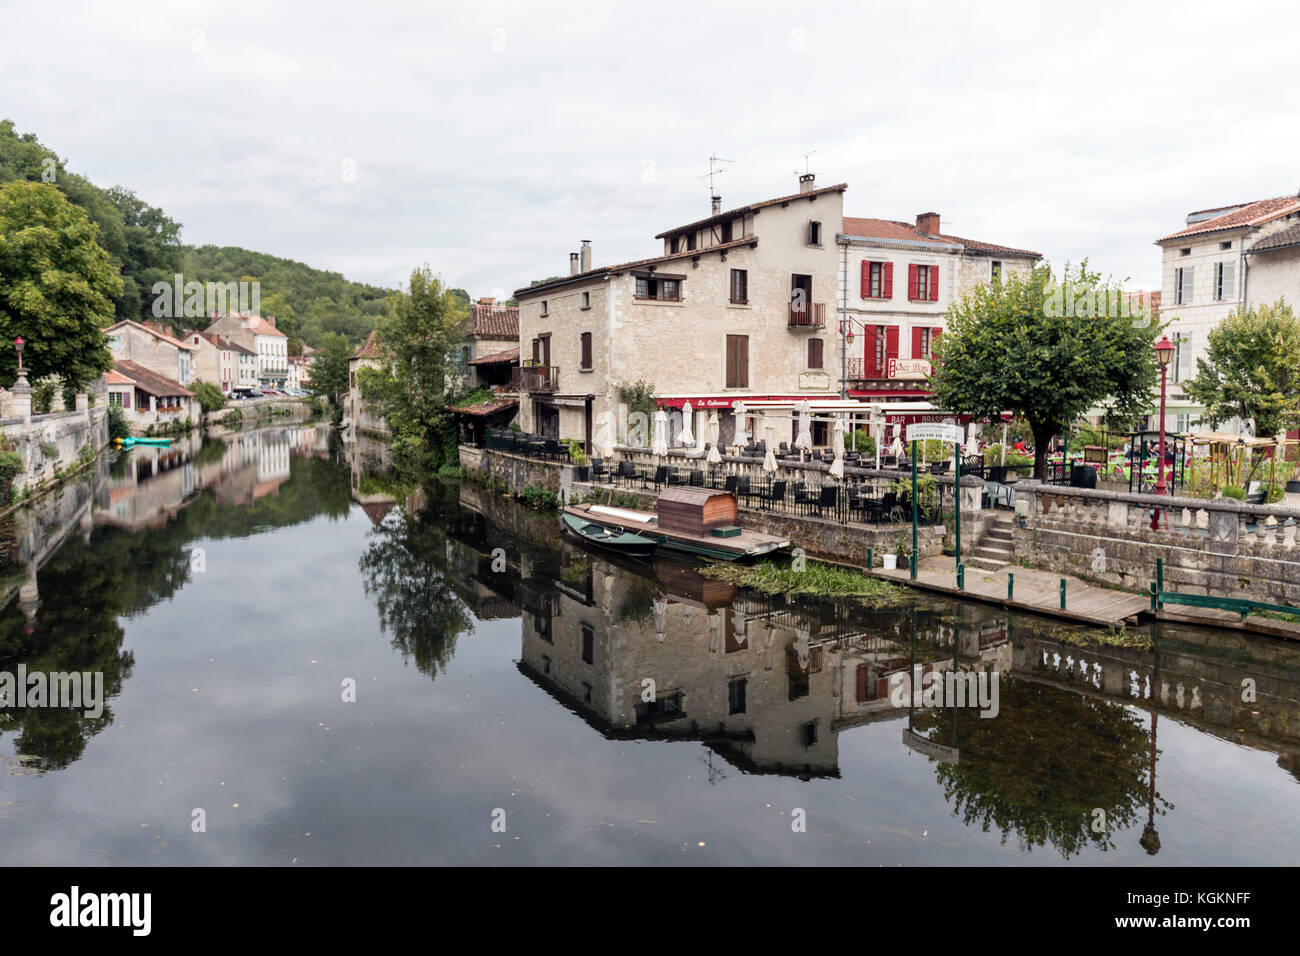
(1164, 355)
(18, 344)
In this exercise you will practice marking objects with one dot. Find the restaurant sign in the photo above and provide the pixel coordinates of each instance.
(935, 431)
(908, 368)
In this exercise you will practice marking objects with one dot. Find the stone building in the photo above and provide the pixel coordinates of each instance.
(1223, 259)
(215, 361)
(269, 345)
(148, 398)
(755, 304)
(152, 349)
(369, 355)
(491, 349)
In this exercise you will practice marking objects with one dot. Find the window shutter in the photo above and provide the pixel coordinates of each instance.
(1188, 274)
(934, 283)
(1185, 364)
(1228, 290)
(916, 343)
(743, 361)
(586, 350)
(863, 674)
(934, 341)
(866, 279)
(911, 282)
(891, 342)
(887, 284)
(537, 350)
(869, 351)
(814, 353)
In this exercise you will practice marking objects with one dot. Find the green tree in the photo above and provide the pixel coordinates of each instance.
(329, 370)
(210, 397)
(152, 252)
(1045, 350)
(420, 335)
(57, 285)
(1252, 370)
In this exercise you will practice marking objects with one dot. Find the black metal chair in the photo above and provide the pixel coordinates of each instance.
(742, 489)
(696, 478)
(627, 471)
(829, 498)
(775, 494)
(598, 469)
(660, 476)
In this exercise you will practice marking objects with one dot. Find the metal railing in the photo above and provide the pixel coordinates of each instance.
(807, 315)
(535, 378)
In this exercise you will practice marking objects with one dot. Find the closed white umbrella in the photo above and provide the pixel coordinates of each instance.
(740, 412)
(837, 442)
(804, 439)
(661, 617)
(769, 439)
(715, 456)
(896, 447)
(686, 438)
(604, 441)
(659, 444)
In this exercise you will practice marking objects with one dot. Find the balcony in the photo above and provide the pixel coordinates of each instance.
(807, 315)
(535, 378)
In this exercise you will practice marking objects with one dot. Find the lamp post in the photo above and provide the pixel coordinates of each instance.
(1164, 355)
(18, 344)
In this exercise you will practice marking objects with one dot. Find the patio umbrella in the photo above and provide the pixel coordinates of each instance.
(896, 447)
(804, 439)
(769, 436)
(661, 616)
(659, 444)
(715, 456)
(1004, 443)
(604, 441)
(714, 621)
(740, 412)
(738, 620)
(837, 442)
(685, 437)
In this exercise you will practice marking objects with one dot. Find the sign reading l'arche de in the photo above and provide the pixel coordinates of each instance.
(936, 431)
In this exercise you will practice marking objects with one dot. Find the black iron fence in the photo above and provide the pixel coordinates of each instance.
(524, 444)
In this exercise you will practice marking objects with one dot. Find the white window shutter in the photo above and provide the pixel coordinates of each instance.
(1185, 364)
(1188, 273)
(1228, 290)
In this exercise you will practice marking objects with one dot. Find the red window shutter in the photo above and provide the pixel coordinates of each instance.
(887, 290)
(912, 272)
(916, 343)
(891, 342)
(866, 279)
(934, 283)
(863, 673)
(869, 351)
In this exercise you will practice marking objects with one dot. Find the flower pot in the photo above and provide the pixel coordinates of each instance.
(1293, 487)
(891, 561)
(582, 473)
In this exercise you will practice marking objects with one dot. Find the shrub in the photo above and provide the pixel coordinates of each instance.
(863, 443)
(210, 397)
(117, 426)
(1233, 491)
(576, 453)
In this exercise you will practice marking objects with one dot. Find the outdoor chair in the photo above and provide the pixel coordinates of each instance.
(627, 471)
(829, 499)
(774, 495)
(598, 469)
(742, 488)
(660, 476)
(697, 478)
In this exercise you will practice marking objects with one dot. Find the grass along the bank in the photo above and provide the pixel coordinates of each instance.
(820, 580)
(1097, 636)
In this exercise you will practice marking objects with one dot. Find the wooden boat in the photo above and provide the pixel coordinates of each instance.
(608, 537)
(695, 521)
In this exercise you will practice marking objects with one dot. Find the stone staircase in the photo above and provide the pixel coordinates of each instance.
(996, 548)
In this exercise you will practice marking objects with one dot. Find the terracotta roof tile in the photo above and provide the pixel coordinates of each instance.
(1251, 214)
(893, 230)
(154, 332)
(1285, 239)
(370, 348)
(486, 408)
(149, 381)
(636, 263)
(114, 377)
(495, 321)
(509, 355)
(740, 210)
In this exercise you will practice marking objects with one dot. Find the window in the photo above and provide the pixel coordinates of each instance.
(115, 398)
(1222, 245)
(739, 287)
(736, 696)
(923, 283)
(1183, 285)
(658, 290)
(881, 345)
(726, 231)
(923, 341)
(814, 233)
(586, 300)
(1184, 345)
(810, 734)
(588, 644)
(877, 280)
(586, 351)
(464, 355)
(545, 309)
(1184, 252)
(997, 271)
(814, 353)
(737, 361)
(1223, 281)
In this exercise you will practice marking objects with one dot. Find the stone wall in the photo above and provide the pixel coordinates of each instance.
(54, 443)
(1222, 547)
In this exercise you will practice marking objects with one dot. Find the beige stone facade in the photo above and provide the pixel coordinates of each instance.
(154, 349)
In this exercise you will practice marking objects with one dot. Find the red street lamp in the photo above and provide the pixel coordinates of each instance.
(1164, 350)
(18, 344)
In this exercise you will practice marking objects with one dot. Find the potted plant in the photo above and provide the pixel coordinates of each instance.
(581, 463)
(1293, 483)
(900, 551)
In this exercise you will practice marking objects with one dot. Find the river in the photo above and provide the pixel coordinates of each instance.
(302, 670)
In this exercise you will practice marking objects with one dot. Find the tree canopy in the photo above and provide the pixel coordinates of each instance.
(1252, 370)
(57, 285)
(1045, 350)
(329, 370)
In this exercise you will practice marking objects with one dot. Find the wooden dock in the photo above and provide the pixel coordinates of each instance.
(1035, 591)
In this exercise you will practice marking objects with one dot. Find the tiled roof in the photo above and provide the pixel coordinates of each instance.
(895, 231)
(1251, 214)
(495, 321)
(1285, 239)
(509, 355)
(741, 210)
(115, 377)
(370, 349)
(486, 408)
(154, 332)
(637, 263)
(256, 324)
(151, 382)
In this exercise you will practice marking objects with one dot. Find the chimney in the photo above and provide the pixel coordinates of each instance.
(271, 319)
(806, 182)
(584, 261)
(717, 204)
(927, 223)
(487, 300)
(573, 264)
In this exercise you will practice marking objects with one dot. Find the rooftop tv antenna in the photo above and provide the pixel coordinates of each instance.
(806, 166)
(714, 159)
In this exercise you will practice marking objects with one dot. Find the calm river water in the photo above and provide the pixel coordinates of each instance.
(233, 591)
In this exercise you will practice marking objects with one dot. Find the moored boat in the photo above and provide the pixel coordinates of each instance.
(608, 537)
(695, 521)
(133, 440)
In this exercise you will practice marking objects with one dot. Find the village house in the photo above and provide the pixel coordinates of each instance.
(152, 349)
(268, 344)
(771, 303)
(147, 398)
(491, 349)
(215, 361)
(369, 355)
(1225, 258)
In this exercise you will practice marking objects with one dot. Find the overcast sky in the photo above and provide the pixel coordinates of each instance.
(487, 139)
